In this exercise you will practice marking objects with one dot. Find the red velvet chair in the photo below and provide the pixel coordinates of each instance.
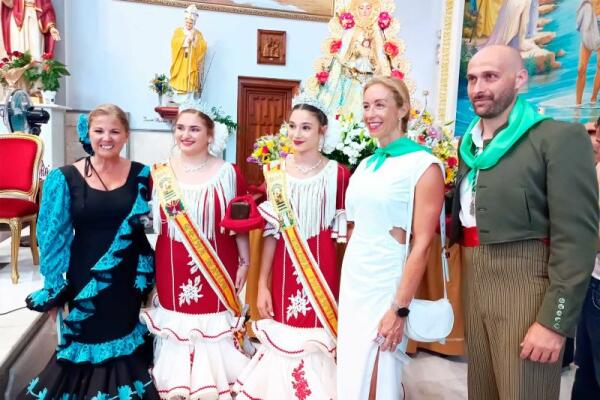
(20, 157)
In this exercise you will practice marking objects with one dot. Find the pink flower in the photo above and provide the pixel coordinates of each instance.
(391, 49)
(47, 56)
(346, 20)
(5, 60)
(17, 54)
(384, 21)
(396, 73)
(46, 67)
(322, 77)
(335, 46)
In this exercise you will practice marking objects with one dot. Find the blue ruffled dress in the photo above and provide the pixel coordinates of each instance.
(96, 259)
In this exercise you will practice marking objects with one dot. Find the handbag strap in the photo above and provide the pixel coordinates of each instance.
(444, 258)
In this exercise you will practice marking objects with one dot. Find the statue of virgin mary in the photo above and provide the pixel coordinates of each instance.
(363, 43)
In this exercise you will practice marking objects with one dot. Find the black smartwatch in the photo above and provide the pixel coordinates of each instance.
(400, 311)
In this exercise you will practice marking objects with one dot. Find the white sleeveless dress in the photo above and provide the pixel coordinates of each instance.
(376, 201)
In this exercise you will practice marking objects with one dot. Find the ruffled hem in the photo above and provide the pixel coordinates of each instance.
(196, 355)
(45, 299)
(201, 393)
(186, 328)
(121, 378)
(96, 353)
(292, 363)
(290, 341)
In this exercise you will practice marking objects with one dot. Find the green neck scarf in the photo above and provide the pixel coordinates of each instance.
(398, 147)
(522, 117)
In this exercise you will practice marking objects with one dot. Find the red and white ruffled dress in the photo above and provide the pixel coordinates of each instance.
(296, 359)
(196, 355)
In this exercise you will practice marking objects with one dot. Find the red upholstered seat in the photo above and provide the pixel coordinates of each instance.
(18, 157)
(16, 208)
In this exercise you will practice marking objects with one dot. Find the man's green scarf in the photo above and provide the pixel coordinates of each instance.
(522, 117)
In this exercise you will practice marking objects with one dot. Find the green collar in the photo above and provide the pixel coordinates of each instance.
(398, 147)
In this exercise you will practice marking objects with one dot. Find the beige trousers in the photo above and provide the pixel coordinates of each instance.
(504, 288)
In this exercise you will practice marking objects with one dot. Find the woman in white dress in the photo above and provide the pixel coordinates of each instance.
(397, 191)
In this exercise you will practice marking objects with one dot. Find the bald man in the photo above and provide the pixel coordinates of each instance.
(526, 212)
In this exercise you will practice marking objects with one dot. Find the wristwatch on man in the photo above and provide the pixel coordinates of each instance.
(401, 311)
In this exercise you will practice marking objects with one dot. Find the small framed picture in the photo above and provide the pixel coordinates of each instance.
(270, 47)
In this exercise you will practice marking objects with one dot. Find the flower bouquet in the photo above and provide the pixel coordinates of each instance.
(271, 147)
(160, 86)
(355, 142)
(17, 67)
(439, 138)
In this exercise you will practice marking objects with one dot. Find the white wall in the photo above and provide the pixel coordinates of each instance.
(113, 48)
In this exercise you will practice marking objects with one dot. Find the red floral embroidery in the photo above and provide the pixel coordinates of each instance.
(299, 382)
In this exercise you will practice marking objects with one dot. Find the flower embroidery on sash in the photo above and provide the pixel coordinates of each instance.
(299, 304)
(300, 383)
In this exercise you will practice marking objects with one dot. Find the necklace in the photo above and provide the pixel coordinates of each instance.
(193, 168)
(306, 170)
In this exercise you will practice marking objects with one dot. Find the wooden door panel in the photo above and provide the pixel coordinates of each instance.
(263, 104)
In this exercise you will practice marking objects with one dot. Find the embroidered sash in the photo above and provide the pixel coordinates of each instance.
(311, 277)
(197, 245)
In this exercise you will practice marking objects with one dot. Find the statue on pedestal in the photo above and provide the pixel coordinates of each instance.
(188, 49)
(29, 26)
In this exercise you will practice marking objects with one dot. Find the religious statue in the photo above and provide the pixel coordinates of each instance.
(362, 44)
(188, 49)
(29, 25)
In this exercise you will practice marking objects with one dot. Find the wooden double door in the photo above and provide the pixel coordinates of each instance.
(263, 104)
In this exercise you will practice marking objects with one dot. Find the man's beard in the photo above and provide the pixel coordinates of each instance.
(499, 104)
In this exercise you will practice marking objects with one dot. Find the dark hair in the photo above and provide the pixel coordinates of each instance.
(320, 115)
(210, 124)
(597, 122)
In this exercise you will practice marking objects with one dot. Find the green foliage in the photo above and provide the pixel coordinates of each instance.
(50, 72)
(220, 116)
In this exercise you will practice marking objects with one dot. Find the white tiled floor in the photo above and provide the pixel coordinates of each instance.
(428, 377)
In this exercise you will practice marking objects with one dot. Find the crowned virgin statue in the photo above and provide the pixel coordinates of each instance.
(362, 44)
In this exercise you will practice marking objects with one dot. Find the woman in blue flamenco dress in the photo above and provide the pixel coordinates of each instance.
(96, 259)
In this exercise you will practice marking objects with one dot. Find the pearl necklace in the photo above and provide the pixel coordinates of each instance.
(194, 168)
(306, 170)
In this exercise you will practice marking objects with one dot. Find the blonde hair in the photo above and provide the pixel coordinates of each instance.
(111, 110)
(399, 92)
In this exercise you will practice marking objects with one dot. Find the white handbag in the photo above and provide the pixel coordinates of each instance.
(431, 321)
